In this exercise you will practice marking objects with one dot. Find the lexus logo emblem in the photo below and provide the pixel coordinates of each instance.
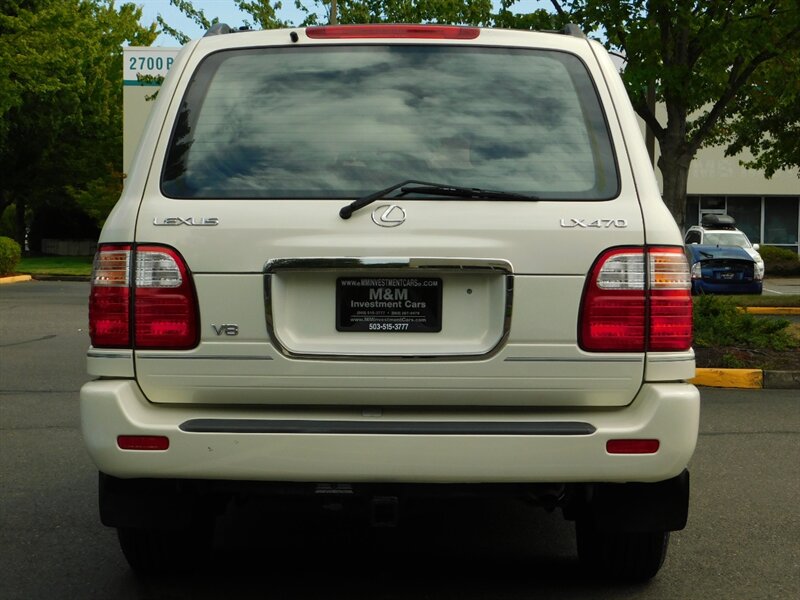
(389, 215)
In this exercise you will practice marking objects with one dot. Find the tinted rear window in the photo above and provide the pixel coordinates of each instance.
(345, 121)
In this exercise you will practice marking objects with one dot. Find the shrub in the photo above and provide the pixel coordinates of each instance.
(8, 221)
(10, 253)
(780, 261)
(719, 322)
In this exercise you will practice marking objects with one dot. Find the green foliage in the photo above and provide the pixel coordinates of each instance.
(98, 196)
(265, 14)
(61, 96)
(10, 253)
(766, 120)
(731, 361)
(8, 221)
(197, 16)
(705, 60)
(538, 19)
(780, 261)
(719, 322)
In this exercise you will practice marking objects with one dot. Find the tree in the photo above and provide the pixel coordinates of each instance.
(766, 121)
(704, 60)
(61, 99)
(263, 12)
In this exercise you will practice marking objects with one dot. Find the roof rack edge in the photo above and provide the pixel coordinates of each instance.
(573, 30)
(223, 28)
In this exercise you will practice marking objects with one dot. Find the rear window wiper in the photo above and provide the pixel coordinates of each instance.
(463, 192)
(436, 189)
(347, 211)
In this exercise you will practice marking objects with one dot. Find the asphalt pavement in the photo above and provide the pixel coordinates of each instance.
(780, 286)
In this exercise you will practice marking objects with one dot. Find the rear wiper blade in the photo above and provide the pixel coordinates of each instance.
(437, 189)
(463, 192)
(347, 211)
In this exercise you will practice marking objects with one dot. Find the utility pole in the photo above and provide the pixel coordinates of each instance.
(333, 20)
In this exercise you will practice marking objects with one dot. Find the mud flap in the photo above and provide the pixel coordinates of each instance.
(640, 507)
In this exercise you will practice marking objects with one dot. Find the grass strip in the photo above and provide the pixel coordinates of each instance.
(763, 300)
(55, 265)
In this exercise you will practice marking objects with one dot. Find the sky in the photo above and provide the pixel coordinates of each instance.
(225, 10)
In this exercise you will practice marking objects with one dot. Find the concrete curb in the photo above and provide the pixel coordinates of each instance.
(15, 279)
(747, 379)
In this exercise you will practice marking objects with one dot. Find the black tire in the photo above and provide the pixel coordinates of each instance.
(621, 555)
(151, 551)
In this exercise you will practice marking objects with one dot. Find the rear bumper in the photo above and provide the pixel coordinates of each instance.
(410, 446)
(705, 287)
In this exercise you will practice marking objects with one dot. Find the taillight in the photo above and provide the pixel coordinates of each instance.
(637, 299)
(447, 32)
(148, 304)
(109, 301)
(165, 308)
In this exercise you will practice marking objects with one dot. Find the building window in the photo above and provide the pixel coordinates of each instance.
(747, 212)
(781, 221)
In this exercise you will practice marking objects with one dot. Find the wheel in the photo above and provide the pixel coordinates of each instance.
(621, 555)
(152, 551)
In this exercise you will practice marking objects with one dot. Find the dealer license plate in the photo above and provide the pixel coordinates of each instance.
(381, 304)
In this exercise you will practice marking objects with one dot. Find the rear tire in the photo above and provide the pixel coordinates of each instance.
(621, 555)
(153, 551)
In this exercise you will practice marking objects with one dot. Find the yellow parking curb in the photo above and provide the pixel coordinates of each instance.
(774, 310)
(729, 378)
(15, 279)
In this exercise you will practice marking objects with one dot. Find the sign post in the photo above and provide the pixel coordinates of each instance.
(143, 70)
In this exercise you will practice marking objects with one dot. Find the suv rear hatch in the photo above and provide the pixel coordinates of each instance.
(421, 298)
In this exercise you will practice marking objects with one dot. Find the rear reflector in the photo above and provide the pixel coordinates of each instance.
(632, 446)
(637, 299)
(446, 32)
(143, 442)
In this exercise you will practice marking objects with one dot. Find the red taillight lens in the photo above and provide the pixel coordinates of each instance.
(447, 32)
(637, 299)
(109, 301)
(165, 308)
(164, 304)
(670, 300)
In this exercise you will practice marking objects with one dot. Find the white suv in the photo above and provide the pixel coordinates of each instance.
(371, 260)
(720, 230)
